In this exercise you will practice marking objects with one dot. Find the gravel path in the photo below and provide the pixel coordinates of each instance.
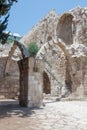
(53, 116)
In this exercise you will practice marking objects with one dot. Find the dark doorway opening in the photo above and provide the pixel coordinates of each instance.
(68, 80)
(49, 38)
(46, 83)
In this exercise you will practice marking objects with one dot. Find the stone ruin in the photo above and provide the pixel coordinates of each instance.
(63, 49)
(19, 78)
(59, 68)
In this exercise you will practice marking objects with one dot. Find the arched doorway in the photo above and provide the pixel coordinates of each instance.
(46, 83)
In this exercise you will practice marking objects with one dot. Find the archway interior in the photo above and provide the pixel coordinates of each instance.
(64, 29)
(49, 38)
(68, 79)
(11, 72)
(46, 84)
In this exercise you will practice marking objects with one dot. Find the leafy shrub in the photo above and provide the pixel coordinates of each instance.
(33, 49)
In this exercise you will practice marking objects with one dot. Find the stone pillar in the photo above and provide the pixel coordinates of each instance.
(35, 93)
(30, 84)
(23, 68)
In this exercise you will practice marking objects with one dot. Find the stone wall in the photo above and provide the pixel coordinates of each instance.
(79, 86)
(9, 83)
(9, 87)
(3, 61)
(80, 25)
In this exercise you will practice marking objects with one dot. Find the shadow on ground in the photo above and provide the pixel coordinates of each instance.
(10, 108)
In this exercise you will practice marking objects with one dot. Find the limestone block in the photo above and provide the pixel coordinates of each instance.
(35, 96)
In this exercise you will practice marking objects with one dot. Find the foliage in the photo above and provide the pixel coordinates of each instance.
(33, 49)
(5, 6)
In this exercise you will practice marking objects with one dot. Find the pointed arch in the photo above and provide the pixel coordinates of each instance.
(64, 28)
(23, 50)
(62, 46)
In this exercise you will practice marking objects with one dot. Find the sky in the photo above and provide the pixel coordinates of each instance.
(26, 13)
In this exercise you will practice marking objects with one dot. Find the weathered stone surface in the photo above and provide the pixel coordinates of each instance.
(63, 49)
(9, 82)
(35, 93)
(62, 56)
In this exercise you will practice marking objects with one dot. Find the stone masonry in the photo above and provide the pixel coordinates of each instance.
(62, 66)
(63, 49)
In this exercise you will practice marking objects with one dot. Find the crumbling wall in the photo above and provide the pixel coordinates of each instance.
(80, 25)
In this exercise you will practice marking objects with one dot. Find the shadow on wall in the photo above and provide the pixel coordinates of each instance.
(49, 38)
(46, 83)
(64, 28)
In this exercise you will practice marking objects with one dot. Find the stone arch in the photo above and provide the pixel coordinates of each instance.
(64, 28)
(46, 83)
(23, 50)
(23, 70)
(62, 46)
(10, 78)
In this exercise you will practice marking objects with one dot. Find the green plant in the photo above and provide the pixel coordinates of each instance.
(33, 49)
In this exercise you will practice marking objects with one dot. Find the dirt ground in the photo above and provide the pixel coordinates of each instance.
(62, 115)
